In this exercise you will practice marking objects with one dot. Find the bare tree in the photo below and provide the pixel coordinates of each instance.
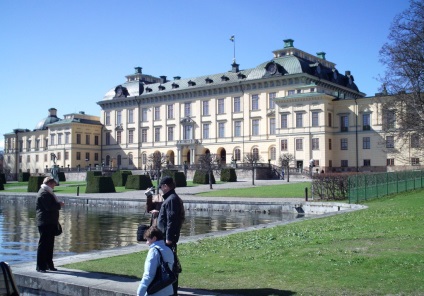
(156, 161)
(210, 163)
(285, 160)
(251, 160)
(403, 80)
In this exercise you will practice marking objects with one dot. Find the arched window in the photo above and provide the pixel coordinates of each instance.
(255, 152)
(130, 159)
(107, 160)
(119, 160)
(272, 153)
(237, 154)
(144, 158)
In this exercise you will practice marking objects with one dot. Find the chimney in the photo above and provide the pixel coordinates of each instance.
(288, 43)
(321, 55)
(53, 112)
(138, 70)
(347, 73)
(177, 77)
(81, 112)
(162, 79)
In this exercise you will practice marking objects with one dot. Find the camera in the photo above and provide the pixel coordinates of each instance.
(150, 191)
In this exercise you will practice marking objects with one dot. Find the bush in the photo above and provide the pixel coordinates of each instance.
(100, 185)
(92, 174)
(24, 177)
(228, 175)
(120, 177)
(138, 182)
(62, 177)
(34, 183)
(179, 177)
(202, 177)
(2, 178)
(1, 186)
(332, 186)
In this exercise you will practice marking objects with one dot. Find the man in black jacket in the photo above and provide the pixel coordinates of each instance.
(171, 217)
(47, 214)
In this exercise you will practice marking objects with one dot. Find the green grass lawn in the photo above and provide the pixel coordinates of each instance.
(377, 251)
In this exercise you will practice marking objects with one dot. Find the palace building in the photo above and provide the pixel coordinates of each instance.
(295, 103)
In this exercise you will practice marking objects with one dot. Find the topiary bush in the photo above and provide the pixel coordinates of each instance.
(23, 177)
(202, 177)
(120, 177)
(100, 185)
(138, 182)
(180, 179)
(34, 183)
(62, 177)
(228, 175)
(2, 178)
(1, 186)
(92, 174)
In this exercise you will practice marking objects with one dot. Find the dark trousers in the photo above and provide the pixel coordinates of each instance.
(45, 247)
(173, 247)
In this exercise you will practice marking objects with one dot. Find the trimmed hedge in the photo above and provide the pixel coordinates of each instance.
(24, 177)
(120, 177)
(2, 178)
(100, 185)
(62, 177)
(180, 179)
(202, 177)
(138, 182)
(92, 174)
(228, 175)
(34, 183)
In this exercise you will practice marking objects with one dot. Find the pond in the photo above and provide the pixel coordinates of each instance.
(90, 228)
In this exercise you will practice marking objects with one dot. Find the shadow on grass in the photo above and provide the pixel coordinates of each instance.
(255, 292)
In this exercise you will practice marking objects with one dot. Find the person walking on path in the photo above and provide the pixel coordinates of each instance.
(154, 238)
(47, 216)
(170, 219)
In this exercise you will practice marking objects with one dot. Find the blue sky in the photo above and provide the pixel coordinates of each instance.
(68, 54)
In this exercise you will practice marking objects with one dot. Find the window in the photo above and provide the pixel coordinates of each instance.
(273, 153)
(144, 135)
(157, 134)
(66, 155)
(205, 108)
(37, 158)
(329, 144)
(315, 118)
(330, 120)
(284, 120)
(118, 117)
(344, 123)
(390, 142)
(59, 156)
(237, 105)
(28, 158)
(390, 119)
(188, 132)
(315, 144)
(344, 164)
(96, 156)
(255, 152)
(171, 111)
(187, 109)
(237, 154)
(130, 136)
(130, 159)
(237, 128)
(271, 97)
(59, 139)
(87, 139)
(255, 102)
(415, 161)
(37, 144)
(20, 158)
(272, 126)
(67, 138)
(415, 141)
(131, 116)
(284, 145)
(52, 139)
(299, 119)
(45, 158)
(299, 144)
(118, 137)
(78, 138)
(78, 155)
(29, 145)
(221, 106)
(366, 143)
(107, 119)
(206, 130)
(96, 140)
(255, 127)
(157, 113)
(390, 162)
(343, 144)
(87, 156)
(290, 92)
(107, 139)
(367, 162)
(144, 158)
(170, 133)
(144, 114)
(221, 129)
(366, 121)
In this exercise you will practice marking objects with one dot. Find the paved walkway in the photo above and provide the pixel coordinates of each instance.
(77, 282)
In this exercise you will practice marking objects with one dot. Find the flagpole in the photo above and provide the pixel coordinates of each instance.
(233, 40)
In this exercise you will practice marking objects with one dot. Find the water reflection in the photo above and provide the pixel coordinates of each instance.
(99, 228)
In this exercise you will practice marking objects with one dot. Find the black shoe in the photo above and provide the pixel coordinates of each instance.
(42, 270)
(52, 269)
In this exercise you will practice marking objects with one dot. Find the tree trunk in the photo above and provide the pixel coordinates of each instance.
(210, 180)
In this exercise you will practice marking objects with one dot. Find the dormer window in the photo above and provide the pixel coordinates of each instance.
(148, 89)
(161, 87)
(174, 85)
(224, 78)
(208, 80)
(191, 83)
(241, 76)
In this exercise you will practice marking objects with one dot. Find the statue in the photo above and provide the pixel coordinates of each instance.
(54, 171)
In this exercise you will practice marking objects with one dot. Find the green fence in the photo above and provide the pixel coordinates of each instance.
(368, 186)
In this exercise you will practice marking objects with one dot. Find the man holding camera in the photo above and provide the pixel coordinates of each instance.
(170, 219)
